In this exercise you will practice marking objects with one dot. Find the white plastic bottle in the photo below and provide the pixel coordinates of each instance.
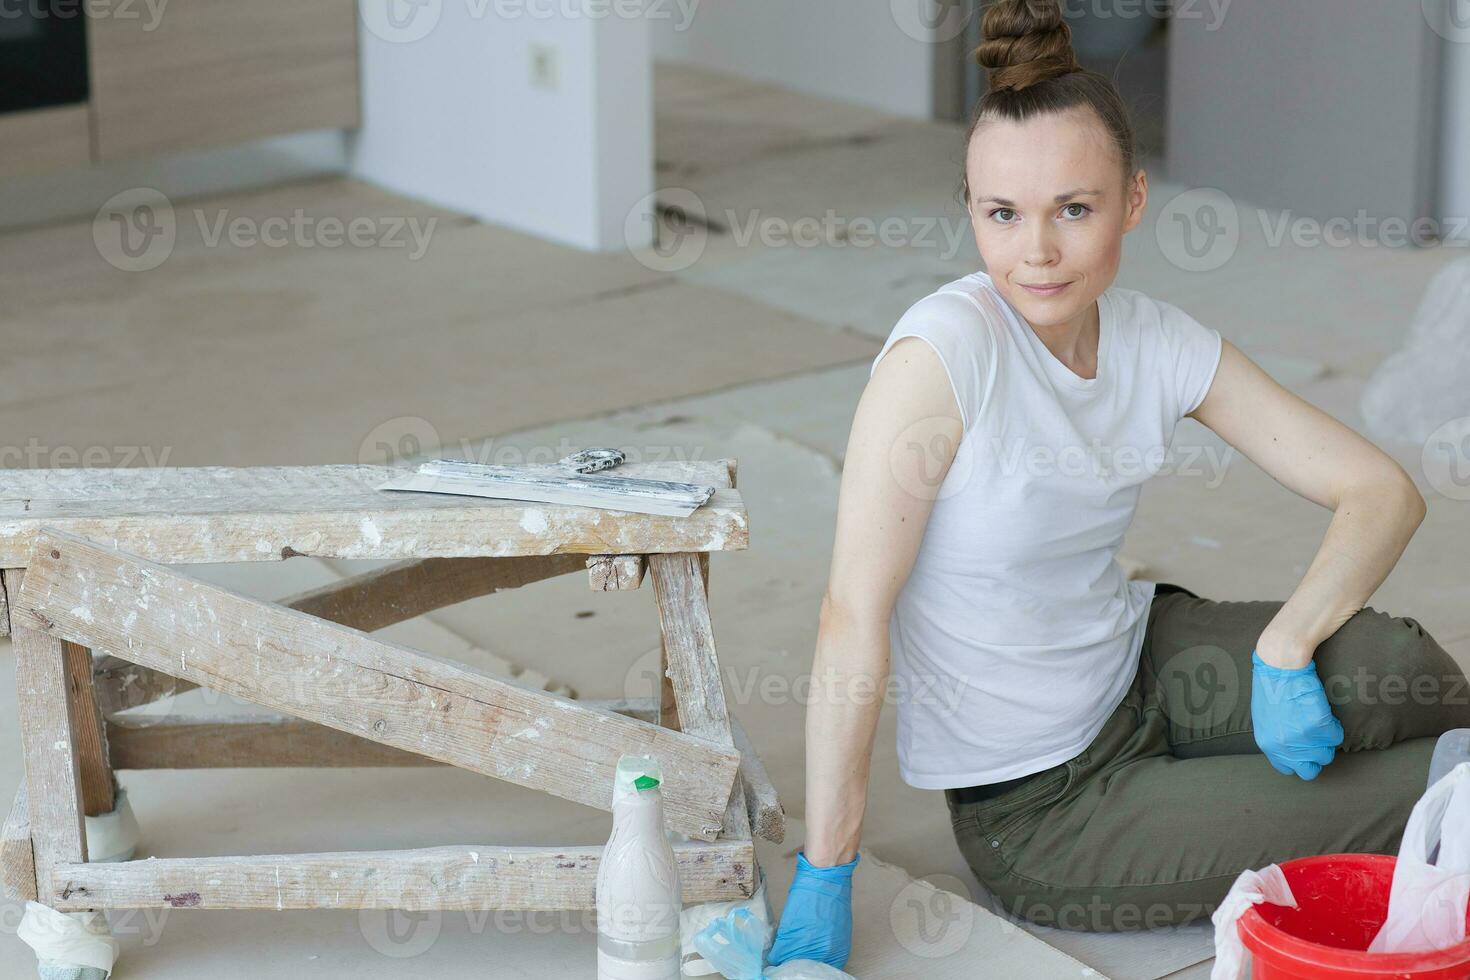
(638, 894)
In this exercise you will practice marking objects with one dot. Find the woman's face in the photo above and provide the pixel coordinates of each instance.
(1049, 209)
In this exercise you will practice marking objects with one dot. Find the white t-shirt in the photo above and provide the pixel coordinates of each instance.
(1017, 633)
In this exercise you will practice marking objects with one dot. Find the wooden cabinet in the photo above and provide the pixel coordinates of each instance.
(213, 72)
(40, 140)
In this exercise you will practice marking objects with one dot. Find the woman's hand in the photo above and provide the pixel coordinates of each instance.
(816, 922)
(1294, 725)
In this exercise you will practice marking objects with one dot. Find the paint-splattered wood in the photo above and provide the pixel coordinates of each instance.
(368, 602)
(52, 790)
(94, 773)
(17, 862)
(459, 878)
(345, 679)
(225, 514)
(615, 573)
(680, 588)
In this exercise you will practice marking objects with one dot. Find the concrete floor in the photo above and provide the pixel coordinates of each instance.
(755, 350)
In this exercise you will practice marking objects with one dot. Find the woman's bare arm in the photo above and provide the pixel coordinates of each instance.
(1376, 507)
(904, 437)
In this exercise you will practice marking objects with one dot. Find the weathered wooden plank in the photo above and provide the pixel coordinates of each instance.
(680, 587)
(261, 742)
(245, 742)
(272, 741)
(226, 514)
(52, 782)
(368, 602)
(269, 741)
(460, 878)
(407, 589)
(343, 678)
(88, 735)
(767, 816)
(4, 610)
(615, 573)
(17, 862)
(121, 684)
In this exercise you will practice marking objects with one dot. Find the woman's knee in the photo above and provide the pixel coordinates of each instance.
(1388, 679)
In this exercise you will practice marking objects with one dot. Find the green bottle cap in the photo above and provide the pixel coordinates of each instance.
(645, 782)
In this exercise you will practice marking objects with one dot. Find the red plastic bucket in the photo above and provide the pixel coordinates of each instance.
(1342, 900)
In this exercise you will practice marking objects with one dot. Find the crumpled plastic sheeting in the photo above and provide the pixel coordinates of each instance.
(1267, 885)
(69, 945)
(694, 919)
(1421, 387)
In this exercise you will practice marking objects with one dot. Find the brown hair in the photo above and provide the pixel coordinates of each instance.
(1033, 70)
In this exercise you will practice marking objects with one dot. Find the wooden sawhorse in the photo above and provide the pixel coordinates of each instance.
(87, 558)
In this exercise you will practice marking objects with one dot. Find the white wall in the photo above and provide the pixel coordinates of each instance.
(452, 117)
(852, 50)
(1454, 173)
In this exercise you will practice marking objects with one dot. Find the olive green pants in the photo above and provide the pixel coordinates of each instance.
(1149, 826)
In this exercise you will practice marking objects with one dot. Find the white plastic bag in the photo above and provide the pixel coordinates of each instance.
(1267, 885)
(806, 970)
(68, 943)
(694, 919)
(1421, 387)
(1426, 906)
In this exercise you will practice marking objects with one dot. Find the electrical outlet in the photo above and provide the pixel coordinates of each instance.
(545, 67)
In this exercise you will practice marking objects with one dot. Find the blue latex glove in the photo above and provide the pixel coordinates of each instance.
(816, 922)
(1294, 724)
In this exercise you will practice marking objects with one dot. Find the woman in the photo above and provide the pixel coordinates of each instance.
(1113, 753)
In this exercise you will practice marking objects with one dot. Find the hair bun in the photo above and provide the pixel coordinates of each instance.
(1026, 41)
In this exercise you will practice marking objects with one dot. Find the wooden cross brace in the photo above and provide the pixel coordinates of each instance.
(77, 594)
